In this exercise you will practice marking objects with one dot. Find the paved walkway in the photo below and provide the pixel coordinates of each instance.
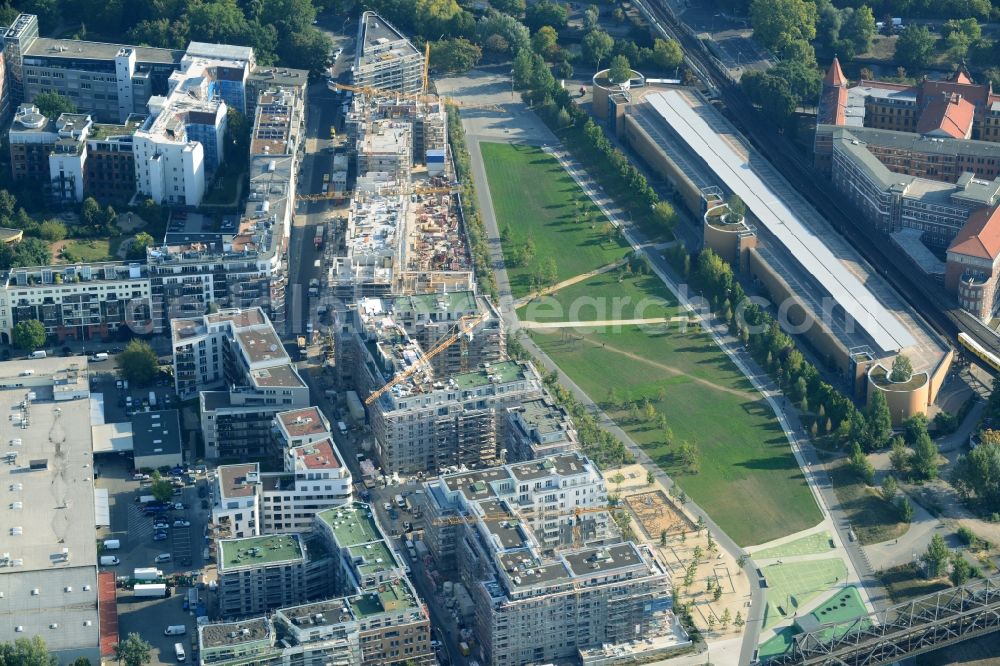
(524, 300)
(597, 323)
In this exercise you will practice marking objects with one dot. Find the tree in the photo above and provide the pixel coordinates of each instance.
(913, 427)
(771, 93)
(905, 509)
(161, 489)
(924, 461)
(138, 363)
(142, 241)
(978, 473)
(738, 210)
(52, 104)
(663, 538)
(960, 570)
(81, 661)
(28, 334)
(777, 22)
(650, 477)
(859, 29)
(306, 49)
(889, 488)
(620, 71)
(664, 215)
(936, 557)
(667, 53)
(544, 42)
(52, 230)
(546, 12)
(902, 369)
(591, 17)
(512, 7)
(898, 455)
(26, 652)
(513, 32)
(597, 46)
(738, 621)
(455, 55)
(878, 419)
(914, 47)
(134, 651)
(29, 252)
(220, 21)
(523, 69)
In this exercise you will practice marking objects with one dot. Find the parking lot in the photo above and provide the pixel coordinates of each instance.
(134, 530)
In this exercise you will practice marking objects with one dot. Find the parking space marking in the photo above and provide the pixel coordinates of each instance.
(139, 526)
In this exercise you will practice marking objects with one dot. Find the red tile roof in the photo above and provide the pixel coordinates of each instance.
(832, 106)
(980, 237)
(950, 113)
(835, 75)
(108, 610)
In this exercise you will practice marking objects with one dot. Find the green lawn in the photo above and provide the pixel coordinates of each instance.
(604, 297)
(872, 518)
(807, 545)
(794, 584)
(907, 582)
(747, 480)
(97, 249)
(533, 197)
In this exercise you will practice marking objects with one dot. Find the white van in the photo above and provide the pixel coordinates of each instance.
(37, 354)
(112, 544)
(179, 651)
(109, 561)
(99, 356)
(162, 557)
(175, 630)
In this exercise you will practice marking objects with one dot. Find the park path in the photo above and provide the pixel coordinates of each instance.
(524, 300)
(597, 323)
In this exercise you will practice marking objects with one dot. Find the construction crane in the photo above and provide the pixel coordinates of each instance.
(420, 97)
(465, 326)
(578, 512)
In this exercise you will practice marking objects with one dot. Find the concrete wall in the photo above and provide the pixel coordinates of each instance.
(817, 333)
(641, 143)
(939, 375)
(903, 402)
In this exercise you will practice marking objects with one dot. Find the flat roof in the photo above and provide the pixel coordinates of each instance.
(564, 464)
(232, 479)
(885, 330)
(47, 509)
(302, 422)
(66, 597)
(277, 375)
(156, 433)
(507, 531)
(525, 570)
(224, 634)
(334, 608)
(352, 525)
(374, 557)
(590, 561)
(504, 371)
(388, 598)
(77, 49)
(455, 301)
(909, 241)
(476, 485)
(259, 551)
(318, 455)
(261, 344)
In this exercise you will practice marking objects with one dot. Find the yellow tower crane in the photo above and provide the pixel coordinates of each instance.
(465, 326)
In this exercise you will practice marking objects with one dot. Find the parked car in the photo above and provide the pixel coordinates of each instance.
(161, 525)
(178, 506)
(159, 536)
(387, 506)
(182, 523)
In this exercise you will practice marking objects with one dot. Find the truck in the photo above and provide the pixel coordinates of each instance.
(152, 398)
(320, 232)
(314, 287)
(150, 590)
(147, 573)
(109, 561)
(112, 544)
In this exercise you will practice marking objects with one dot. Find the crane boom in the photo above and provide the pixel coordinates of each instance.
(578, 512)
(465, 325)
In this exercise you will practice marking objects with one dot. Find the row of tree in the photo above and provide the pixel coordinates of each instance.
(935, 9)
(133, 651)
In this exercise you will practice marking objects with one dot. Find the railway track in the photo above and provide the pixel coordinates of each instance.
(930, 301)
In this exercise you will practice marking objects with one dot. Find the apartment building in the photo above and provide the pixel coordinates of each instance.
(108, 81)
(314, 477)
(258, 574)
(77, 302)
(537, 429)
(973, 265)
(429, 421)
(386, 59)
(385, 146)
(544, 561)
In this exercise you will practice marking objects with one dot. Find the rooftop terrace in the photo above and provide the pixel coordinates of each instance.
(388, 598)
(259, 551)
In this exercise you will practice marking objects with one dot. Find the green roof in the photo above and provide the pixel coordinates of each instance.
(375, 557)
(351, 525)
(506, 371)
(258, 551)
(456, 301)
(388, 598)
(103, 131)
